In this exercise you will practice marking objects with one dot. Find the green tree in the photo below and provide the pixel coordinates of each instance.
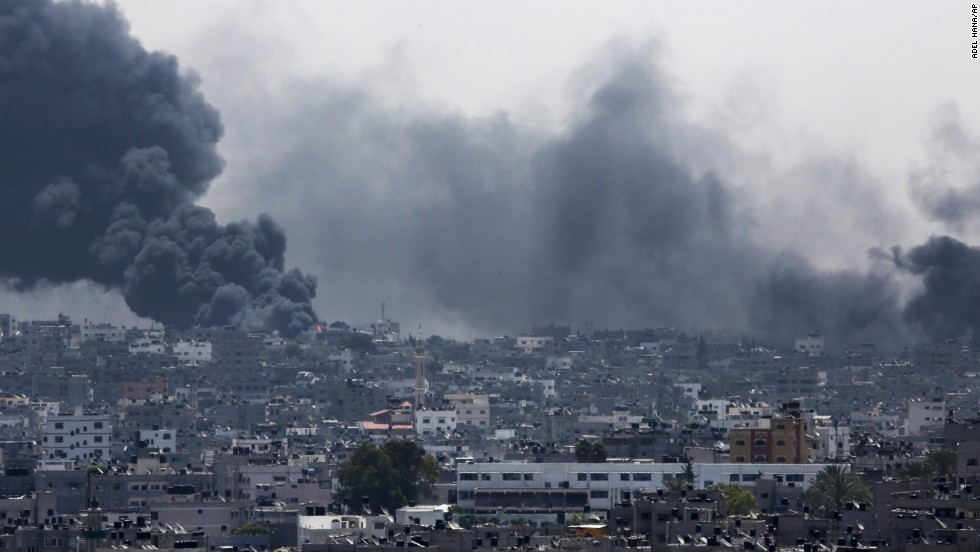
(416, 470)
(738, 501)
(918, 470)
(689, 476)
(942, 463)
(590, 451)
(833, 487)
(250, 529)
(357, 341)
(389, 476)
(938, 465)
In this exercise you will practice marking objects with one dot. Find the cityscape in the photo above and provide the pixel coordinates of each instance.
(648, 280)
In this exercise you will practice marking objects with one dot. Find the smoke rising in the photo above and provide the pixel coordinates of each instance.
(628, 214)
(949, 304)
(106, 147)
(952, 161)
(618, 219)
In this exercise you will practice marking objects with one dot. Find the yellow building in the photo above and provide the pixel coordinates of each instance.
(775, 441)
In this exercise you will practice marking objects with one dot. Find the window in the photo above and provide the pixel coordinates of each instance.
(733, 477)
(98, 425)
(484, 477)
(739, 458)
(467, 477)
(971, 461)
(794, 477)
(511, 477)
(760, 458)
(642, 477)
(750, 477)
(780, 442)
(780, 459)
(599, 494)
(780, 426)
(624, 477)
(59, 425)
(599, 476)
(583, 477)
(59, 439)
(760, 442)
(739, 442)
(528, 477)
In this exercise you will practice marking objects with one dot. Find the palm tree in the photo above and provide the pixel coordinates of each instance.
(834, 487)
(938, 465)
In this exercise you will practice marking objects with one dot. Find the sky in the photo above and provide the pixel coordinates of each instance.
(430, 155)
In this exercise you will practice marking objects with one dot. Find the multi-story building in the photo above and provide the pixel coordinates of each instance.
(434, 422)
(82, 437)
(570, 486)
(775, 441)
(471, 408)
(192, 352)
(925, 415)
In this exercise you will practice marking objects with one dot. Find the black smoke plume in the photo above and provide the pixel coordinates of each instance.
(619, 219)
(948, 305)
(104, 148)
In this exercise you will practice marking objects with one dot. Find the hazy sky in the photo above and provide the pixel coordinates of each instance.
(818, 116)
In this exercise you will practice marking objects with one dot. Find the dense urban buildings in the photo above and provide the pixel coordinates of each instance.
(207, 438)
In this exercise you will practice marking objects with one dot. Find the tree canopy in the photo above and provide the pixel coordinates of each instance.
(833, 488)
(388, 476)
(738, 501)
(590, 451)
(938, 465)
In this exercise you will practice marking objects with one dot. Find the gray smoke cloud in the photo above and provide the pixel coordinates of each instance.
(105, 148)
(626, 215)
(617, 219)
(947, 188)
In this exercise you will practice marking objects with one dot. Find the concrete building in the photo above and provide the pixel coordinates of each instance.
(569, 486)
(193, 352)
(775, 441)
(925, 415)
(434, 422)
(83, 437)
(811, 345)
(471, 408)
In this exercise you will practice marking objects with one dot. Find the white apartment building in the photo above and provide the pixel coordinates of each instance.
(471, 408)
(103, 332)
(434, 422)
(148, 346)
(924, 416)
(163, 439)
(193, 352)
(81, 437)
(532, 344)
(571, 485)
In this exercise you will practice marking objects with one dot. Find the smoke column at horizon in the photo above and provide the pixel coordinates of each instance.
(105, 149)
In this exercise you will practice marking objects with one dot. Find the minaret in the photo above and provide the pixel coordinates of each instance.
(93, 532)
(419, 373)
